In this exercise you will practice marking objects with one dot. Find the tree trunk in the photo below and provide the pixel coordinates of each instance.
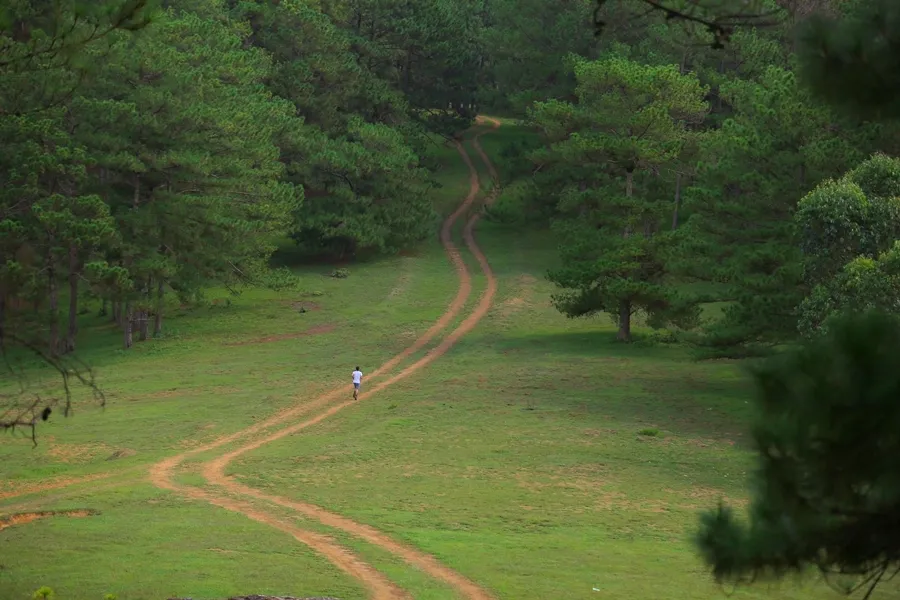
(677, 201)
(143, 325)
(624, 334)
(103, 312)
(117, 312)
(2, 319)
(719, 99)
(53, 293)
(157, 320)
(629, 192)
(143, 315)
(128, 320)
(407, 74)
(72, 330)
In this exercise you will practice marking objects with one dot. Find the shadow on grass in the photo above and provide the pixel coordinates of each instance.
(599, 342)
(657, 385)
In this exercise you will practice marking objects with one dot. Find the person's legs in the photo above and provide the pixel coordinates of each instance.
(355, 391)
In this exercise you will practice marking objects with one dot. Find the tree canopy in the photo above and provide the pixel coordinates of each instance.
(160, 150)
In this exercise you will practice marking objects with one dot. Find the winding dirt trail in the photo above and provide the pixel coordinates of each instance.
(214, 471)
(161, 474)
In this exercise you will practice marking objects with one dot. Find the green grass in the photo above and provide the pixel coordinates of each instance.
(148, 544)
(523, 458)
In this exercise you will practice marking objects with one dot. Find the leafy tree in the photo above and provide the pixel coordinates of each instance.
(193, 167)
(848, 231)
(776, 145)
(825, 489)
(429, 50)
(371, 194)
(863, 284)
(364, 185)
(630, 120)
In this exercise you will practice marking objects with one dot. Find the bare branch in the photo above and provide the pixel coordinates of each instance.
(720, 27)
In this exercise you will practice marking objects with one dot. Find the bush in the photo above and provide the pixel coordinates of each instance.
(43, 593)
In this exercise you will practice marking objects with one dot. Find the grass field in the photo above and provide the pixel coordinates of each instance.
(537, 457)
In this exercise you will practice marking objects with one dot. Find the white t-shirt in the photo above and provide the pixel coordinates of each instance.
(357, 376)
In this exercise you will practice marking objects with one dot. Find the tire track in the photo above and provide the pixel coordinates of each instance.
(162, 470)
(214, 471)
(379, 587)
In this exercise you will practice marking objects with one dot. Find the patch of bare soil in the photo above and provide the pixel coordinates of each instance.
(12, 489)
(316, 330)
(23, 518)
(522, 298)
(77, 453)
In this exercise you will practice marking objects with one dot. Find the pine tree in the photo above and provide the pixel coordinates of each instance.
(825, 492)
(630, 121)
(191, 165)
(776, 145)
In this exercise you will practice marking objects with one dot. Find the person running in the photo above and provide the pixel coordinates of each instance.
(357, 381)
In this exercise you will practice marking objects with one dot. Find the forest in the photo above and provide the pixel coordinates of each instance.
(152, 150)
(691, 159)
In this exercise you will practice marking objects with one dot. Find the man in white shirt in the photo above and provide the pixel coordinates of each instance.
(357, 381)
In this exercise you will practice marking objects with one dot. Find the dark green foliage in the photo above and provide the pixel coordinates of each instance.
(848, 231)
(776, 145)
(371, 80)
(853, 60)
(629, 122)
(526, 43)
(826, 490)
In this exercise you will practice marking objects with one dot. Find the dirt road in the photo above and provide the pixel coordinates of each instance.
(309, 413)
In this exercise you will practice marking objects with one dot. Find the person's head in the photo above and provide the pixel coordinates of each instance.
(357, 367)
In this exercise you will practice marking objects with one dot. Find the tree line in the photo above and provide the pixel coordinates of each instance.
(138, 165)
(161, 149)
(663, 160)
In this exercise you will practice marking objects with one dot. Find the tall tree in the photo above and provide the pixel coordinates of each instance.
(630, 121)
(825, 491)
(193, 164)
(775, 146)
(41, 47)
(526, 43)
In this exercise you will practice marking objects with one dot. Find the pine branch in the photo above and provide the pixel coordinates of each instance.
(720, 27)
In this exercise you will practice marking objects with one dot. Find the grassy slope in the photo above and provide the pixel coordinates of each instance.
(516, 458)
(168, 395)
(519, 460)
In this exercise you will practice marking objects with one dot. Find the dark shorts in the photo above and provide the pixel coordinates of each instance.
(356, 385)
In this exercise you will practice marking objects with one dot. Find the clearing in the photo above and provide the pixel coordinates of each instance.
(498, 450)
